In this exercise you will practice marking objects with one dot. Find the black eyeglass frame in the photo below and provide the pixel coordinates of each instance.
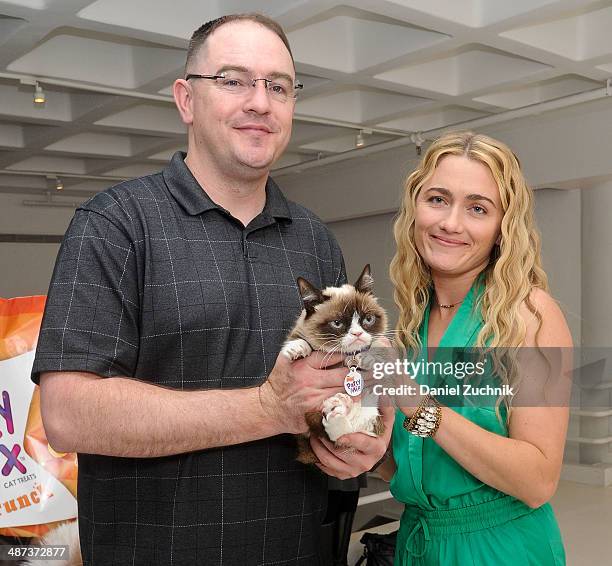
(296, 86)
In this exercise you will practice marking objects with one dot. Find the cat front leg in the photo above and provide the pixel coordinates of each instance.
(379, 352)
(344, 415)
(294, 349)
(338, 415)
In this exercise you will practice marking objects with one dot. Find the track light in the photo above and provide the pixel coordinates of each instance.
(359, 140)
(39, 94)
(418, 140)
(53, 181)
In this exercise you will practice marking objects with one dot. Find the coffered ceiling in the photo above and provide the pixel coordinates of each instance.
(389, 68)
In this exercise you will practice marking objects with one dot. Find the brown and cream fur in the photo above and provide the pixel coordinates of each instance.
(350, 321)
(64, 534)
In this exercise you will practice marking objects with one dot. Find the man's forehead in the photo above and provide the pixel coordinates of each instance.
(247, 44)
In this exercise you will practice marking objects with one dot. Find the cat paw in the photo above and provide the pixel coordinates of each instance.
(365, 360)
(337, 419)
(339, 404)
(294, 349)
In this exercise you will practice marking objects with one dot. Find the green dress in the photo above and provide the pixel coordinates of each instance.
(450, 517)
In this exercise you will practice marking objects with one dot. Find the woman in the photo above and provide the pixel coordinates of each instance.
(467, 273)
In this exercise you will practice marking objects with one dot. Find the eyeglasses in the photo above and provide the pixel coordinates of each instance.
(238, 82)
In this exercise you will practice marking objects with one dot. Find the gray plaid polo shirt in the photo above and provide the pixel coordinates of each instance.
(154, 280)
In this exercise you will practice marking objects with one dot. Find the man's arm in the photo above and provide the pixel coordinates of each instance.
(118, 416)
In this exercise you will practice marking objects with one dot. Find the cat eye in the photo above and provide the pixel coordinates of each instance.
(369, 319)
(336, 324)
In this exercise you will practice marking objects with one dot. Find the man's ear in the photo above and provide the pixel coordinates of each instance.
(365, 282)
(183, 98)
(311, 296)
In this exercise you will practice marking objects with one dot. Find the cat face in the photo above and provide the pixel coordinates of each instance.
(341, 319)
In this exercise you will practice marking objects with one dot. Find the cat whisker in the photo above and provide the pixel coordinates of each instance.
(329, 354)
(334, 339)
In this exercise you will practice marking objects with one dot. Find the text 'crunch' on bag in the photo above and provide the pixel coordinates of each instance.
(37, 485)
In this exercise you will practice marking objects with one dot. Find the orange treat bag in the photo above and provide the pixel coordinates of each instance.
(37, 485)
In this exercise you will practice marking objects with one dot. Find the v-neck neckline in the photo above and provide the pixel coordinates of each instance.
(463, 313)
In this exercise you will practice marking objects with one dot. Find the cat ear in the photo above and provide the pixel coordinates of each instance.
(311, 296)
(365, 283)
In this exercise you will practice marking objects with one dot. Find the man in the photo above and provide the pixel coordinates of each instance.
(186, 281)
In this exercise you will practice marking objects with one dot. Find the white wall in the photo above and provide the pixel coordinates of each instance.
(18, 219)
(369, 240)
(559, 221)
(25, 269)
(597, 264)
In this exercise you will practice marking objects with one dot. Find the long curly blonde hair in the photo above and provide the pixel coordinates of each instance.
(515, 266)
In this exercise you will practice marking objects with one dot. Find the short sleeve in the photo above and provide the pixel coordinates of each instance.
(91, 319)
(338, 267)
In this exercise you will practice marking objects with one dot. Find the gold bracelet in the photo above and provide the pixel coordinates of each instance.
(426, 418)
(409, 422)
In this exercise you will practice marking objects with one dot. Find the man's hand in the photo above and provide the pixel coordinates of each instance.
(356, 453)
(296, 388)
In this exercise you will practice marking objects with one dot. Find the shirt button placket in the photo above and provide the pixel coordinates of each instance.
(249, 252)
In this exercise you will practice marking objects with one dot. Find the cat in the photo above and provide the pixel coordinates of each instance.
(348, 320)
(66, 534)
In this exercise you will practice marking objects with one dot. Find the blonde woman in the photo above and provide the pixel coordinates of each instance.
(475, 477)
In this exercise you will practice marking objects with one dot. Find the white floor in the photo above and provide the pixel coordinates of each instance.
(584, 513)
(585, 517)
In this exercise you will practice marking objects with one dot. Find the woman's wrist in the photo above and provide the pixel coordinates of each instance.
(425, 419)
(409, 403)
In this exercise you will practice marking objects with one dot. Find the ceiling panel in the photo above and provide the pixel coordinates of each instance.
(45, 163)
(467, 71)
(541, 92)
(166, 19)
(355, 40)
(100, 144)
(358, 105)
(146, 117)
(423, 121)
(474, 13)
(106, 62)
(577, 37)
(9, 26)
(33, 4)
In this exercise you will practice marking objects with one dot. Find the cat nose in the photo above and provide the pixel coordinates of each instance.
(357, 334)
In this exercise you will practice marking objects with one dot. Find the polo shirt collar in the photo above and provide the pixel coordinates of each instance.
(190, 195)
